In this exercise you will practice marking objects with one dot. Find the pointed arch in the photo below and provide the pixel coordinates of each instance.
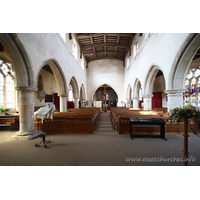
(182, 62)
(136, 88)
(101, 86)
(129, 92)
(59, 75)
(149, 81)
(75, 87)
(20, 60)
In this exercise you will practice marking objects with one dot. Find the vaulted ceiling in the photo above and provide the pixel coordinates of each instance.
(96, 46)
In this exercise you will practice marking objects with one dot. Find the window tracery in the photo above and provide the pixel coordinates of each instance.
(192, 87)
(6, 85)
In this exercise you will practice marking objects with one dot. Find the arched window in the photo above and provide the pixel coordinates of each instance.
(74, 49)
(82, 63)
(128, 62)
(70, 97)
(6, 85)
(192, 87)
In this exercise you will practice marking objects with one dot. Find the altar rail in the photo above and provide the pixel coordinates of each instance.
(120, 118)
(82, 120)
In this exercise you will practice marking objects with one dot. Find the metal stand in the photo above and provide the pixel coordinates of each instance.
(43, 135)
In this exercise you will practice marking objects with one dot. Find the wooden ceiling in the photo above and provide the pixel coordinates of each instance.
(96, 46)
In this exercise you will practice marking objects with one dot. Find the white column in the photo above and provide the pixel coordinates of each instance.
(26, 111)
(76, 104)
(63, 102)
(147, 100)
(175, 98)
(135, 102)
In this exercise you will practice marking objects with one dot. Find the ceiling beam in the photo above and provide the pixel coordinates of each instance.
(92, 41)
(116, 46)
(89, 60)
(106, 44)
(86, 35)
(103, 52)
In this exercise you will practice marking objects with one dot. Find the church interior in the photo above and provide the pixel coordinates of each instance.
(80, 84)
(91, 115)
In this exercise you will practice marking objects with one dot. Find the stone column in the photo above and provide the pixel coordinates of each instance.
(76, 104)
(147, 100)
(63, 102)
(135, 102)
(175, 98)
(26, 110)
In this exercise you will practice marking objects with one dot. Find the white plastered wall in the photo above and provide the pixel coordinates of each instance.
(108, 71)
(45, 47)
(49, 84)
(159, 50)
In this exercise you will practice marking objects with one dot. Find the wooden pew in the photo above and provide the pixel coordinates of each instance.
(82, 120)
(121, 117)
(116, 112)
(9, 121)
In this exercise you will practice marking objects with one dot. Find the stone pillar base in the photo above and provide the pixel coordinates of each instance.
(26, 135)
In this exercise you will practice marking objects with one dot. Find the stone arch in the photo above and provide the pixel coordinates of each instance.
(59, 76)
(20, 60)
(24, 83)
(148, 86)
(136, 87)
(74, 85)
(182, 62)
(149, 81)
(129, 92)
(102, 85)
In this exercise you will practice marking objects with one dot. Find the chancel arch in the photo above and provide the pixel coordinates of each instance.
(106, 93)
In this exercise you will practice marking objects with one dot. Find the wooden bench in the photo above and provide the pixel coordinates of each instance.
(9, 121)
(120, 118)
(120, 112)
(82, 120)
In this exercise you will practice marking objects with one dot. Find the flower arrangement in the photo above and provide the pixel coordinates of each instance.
(189, 113)
(3, 109)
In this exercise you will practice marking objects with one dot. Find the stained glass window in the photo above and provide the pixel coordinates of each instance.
(192, 87)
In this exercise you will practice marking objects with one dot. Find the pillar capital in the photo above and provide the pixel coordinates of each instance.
(147, 96)
(27, 88)
(177, 91)
(63, 95)
(175, 98)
